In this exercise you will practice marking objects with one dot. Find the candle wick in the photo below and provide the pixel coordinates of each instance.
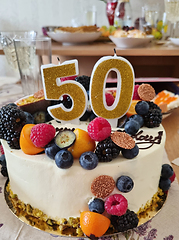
(114, 52)
(58, 59)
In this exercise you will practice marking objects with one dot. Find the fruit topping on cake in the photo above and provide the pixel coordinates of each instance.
(65, 138)
(34, 103)
(64, 159)
(3, 165)
(96, 205)
(26, 143)
(12, 119)
(125, 222)
(167, 176)
(116, 204)
(41, 134)
(153, 118)
(107, 150)
(83, 143)
(124, 184)
(99, 129)
(84, 80)
(88, 160)
(93, 224)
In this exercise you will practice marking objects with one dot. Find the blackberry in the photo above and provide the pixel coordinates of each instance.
(3, 166)
(154, 116)
(12, 119)
(125, 222)
(84, 80)
(106, 150)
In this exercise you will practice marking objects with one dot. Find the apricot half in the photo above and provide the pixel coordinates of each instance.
(26, 144)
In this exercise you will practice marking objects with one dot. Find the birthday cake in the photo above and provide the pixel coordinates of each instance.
(89, 178)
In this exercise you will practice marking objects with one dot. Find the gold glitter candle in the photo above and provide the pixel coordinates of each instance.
(54, 89)
(125, 86)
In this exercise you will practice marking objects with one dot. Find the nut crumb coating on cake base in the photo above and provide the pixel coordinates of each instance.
(71, 226)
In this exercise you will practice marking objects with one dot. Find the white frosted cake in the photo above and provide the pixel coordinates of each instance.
(89, 178)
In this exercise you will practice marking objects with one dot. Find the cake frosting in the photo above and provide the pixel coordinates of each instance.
(64, 193)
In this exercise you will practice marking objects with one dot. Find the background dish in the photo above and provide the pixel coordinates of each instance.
(175, 41)
(76, 37)
(46, 29)
(124, 42)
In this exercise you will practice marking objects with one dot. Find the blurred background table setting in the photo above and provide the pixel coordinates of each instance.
(25, 52)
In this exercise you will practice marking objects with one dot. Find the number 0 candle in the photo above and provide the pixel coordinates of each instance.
(125, 86)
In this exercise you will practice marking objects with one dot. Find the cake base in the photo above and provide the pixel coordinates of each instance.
(66, 230)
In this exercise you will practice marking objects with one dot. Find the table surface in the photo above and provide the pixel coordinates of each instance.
(102, 48)
(11, 228)
(107, 48)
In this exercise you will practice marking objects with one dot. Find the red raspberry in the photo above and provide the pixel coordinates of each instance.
(1, 150)
(116, 205)
(42, 134)
(67, 78)
(109, 99)
(135, 94)
(99, 129)
(172, 178)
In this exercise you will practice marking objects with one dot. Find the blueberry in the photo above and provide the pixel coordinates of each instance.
(96, 205)
(88, 160)
(138, 119)
(51, 150)
(142, 108)
(64, 159)
(29, 118)
(164, 183)
(131, 127)
(167, 171)
(124, 184)
(130, 153)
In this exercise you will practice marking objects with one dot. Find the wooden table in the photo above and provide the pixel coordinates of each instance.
(150, 61)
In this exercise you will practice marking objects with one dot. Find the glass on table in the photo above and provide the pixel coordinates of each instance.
(151, 14)
(7, 43)
(31, 54)
(110, 10)
(172, 14)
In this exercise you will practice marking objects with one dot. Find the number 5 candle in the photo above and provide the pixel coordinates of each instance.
(54, 89)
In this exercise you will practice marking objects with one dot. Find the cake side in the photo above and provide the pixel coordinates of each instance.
(37, 180)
